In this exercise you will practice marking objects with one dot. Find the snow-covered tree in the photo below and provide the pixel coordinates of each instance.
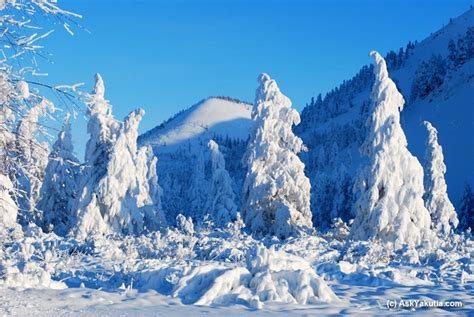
(154, 216)
(453, 54)
(390, 206)
(276, 190)
(115, 183)
(323, 199)
(32, 156)
(443, 215)
(59, 189)
(199, 185)
(221, 200)
(342, 205)
(429, 76)
(22, 157)
(102, 129)
(8, 205)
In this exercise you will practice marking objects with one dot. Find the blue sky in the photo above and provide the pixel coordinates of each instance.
(164, 56)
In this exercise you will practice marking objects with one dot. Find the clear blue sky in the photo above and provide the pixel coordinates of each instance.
(164, 56)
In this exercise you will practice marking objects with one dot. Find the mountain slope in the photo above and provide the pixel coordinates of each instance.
(212, 116)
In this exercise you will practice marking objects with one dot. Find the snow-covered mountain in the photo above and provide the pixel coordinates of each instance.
(212, 116)
(436, 81)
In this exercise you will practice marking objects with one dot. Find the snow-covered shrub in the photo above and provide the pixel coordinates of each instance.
(282, 277)
(390, 206)
(185, 225)
(269, 276)
(59, 189)
(443, 215)
(28, 259)
(221, 201)
(276, 190)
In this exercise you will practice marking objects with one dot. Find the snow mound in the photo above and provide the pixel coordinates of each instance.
(269, 276)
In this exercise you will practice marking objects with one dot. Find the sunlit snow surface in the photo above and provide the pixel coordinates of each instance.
(182, 274)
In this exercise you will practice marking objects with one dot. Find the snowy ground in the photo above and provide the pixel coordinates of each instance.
(169, 274)
(356, 300)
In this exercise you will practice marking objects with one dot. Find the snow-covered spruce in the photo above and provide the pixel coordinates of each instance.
(443, 215)
(59, 189)
(32, 158)
(390, 206)
(276, 191)
(221, 201)
(116, 182)
(269, 276)
(153, 211)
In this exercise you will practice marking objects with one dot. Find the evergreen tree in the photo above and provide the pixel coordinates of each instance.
(469, 42)
(428, 77)
(342, 203)
(152, 204)
(443, 215)
(453, 53)
(276, 191)
(401, 55)
(58, 192)
(390, 188)
(466, 209)
(462, 51)
(116, 188)
(221, 202)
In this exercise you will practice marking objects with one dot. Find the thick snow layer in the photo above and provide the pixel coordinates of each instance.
(212, 116)
(174, 273)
